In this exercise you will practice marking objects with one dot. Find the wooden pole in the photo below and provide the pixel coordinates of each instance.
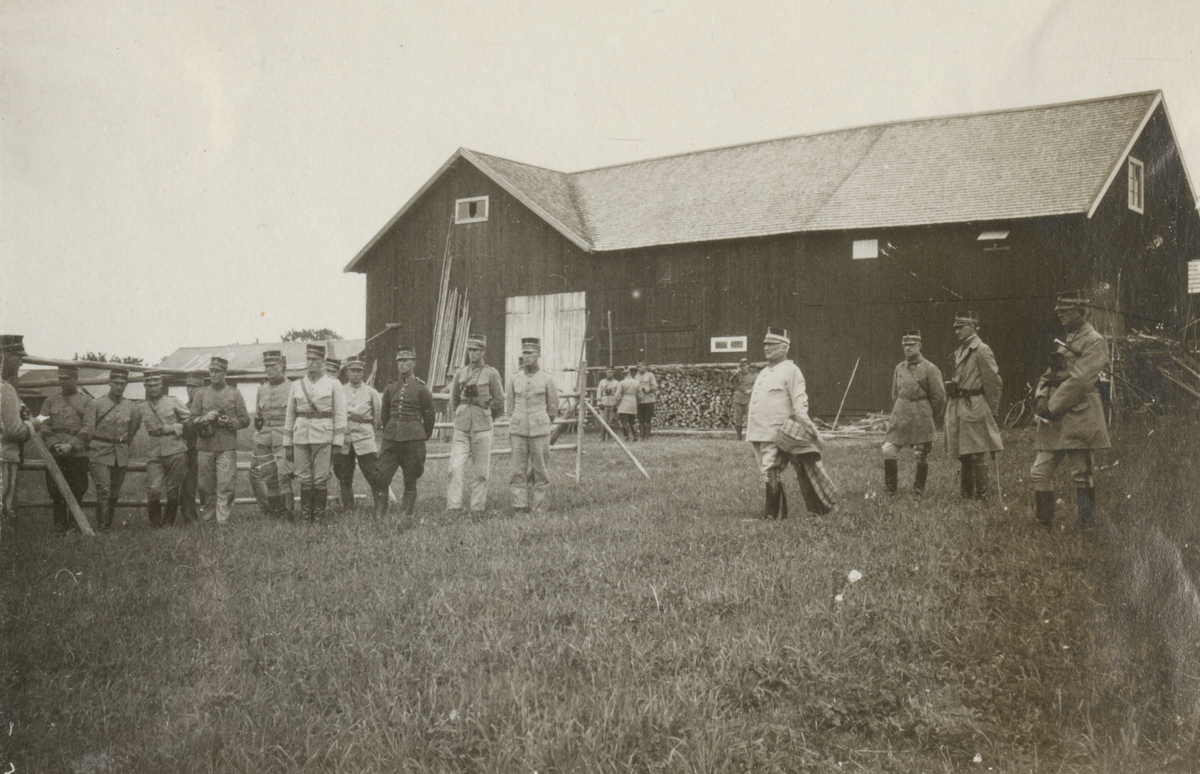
(610, 349)
(579, 422)
(61, 482)
(615, 437)
(844, 394)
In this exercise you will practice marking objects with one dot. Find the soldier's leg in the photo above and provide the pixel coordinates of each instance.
(206, 483)
(412, 461)
(283, 478)
(982, 488)
(174, 468)
(303, 471)
(891, 467)
(539, 455)
(768, 456)
(481, 469)
(117, 481)
(460, 452)
(739, 419)
(1042, 475)
(1079, 462)
(966, 476)
(343, 471)
(226, 468)
(921, 451)
(390, 460)
(8, 492)
(322, 464)
(58, 505)
(519, 481)
(264, 478)
(101, 481)
(154, 489)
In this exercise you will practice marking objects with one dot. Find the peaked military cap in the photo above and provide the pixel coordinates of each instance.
(406, 352)
(12, 342)
(531, 344)
(152, 376)
(272, 357)
(476, 340)
(195, 379)
(68, 371)
(911, 336)
(118, 375)
(314, 350)
(219, 363)
(355, 361)
(333, 364)
(1073, 300)
(776, 336)
(966, 318)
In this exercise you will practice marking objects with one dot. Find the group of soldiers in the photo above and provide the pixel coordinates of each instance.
(307, 431)
(627, 401)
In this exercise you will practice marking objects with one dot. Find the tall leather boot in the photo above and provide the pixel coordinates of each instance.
(320, 503)
(922, 475)
(891, 474)
(347, 495)
(306, 513)
(783, 509)
(381, 503)
(982, 489)
(62, 518)
(169, 513)
(106, 516)
(1085, 501)
(1043, 504)
(771, 509)
(154, 510)
(101, 521)
(408, 502)
(966, 477)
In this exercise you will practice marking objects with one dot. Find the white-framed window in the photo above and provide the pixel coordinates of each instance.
(727, 344)
(1193, 277)
(472, 210)
(1137, 185)
(865, 248)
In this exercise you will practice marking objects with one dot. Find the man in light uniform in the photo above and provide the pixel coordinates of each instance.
(532, 400)
(1071, 412)
(408, 414)
(476, 399)
(163, 417)
(972, 399)
(647, 399)
(191, 475)
(15, 427)
(742, 383)
(314, 430)
(918, 400)
(219, 412)
(270, 472)
(608, 394)
(363, 412)
(110, 424)
(63, 435)
(627, 405)
(779, 397)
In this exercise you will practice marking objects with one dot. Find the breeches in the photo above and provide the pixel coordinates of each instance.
(75, 471)
(270, 470)
(8, 487)
(313, 464)
(343, 467)
(921, 451)
(406, 456)
(739, 414)
(164, 475)
(108, 480)
(1079, 463)
(478, 448)
(770, 460)
(646, 412)
(217, 482)
(529, 455)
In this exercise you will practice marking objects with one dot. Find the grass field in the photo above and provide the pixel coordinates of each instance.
(636, 626)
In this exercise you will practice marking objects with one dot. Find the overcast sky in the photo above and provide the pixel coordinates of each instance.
(189, 174)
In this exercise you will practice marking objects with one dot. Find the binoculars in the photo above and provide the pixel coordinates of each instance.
(469, 391)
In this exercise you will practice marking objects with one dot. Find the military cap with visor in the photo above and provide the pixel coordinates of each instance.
(406, 352)
(531, 344)
(776, 336)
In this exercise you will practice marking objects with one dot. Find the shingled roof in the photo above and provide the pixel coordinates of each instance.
(1028, 162)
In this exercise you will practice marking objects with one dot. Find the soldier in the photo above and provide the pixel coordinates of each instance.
(1068, 402)
(532, 400)
(164, 418)
(973, 397)
(191, 474)
(110, 423)
(313, 430)
(63, 435)
(779, 399)
(742, 382)
(407, 410)
(476, 399)
(333, 368)
(271, 473)
(219, 411)
(608, 394)
(627, 405)
(647, 397)
(363, 413)
(15, 425)
(918, 400)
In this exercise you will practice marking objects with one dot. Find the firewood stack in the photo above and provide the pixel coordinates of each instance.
(695, 397)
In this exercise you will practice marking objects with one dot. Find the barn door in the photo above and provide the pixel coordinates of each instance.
(558, 319)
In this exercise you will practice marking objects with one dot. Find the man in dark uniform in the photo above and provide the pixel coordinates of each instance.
(110, 424)
(973, 397)
(918, 400)
(742, 382)
(1071, 412)
(191, 473)
(63, 435)
(408, 414)
(270, 472)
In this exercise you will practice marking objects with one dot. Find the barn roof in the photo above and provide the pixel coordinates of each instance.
(248, 357)
(1000, 165)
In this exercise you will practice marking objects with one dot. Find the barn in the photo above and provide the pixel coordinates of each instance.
(845, 237)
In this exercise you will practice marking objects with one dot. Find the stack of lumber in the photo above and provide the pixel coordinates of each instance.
(872, 424)
(694, 396)
(1153, 373)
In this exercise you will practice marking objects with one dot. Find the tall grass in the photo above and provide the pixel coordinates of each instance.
(636, 626)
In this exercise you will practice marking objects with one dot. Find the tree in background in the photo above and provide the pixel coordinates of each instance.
(310, 334)
(100, 357)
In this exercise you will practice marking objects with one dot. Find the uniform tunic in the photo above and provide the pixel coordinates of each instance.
(321, 420)
(608, 392)
(472, 439)
(166, 464)
(1073, 395)
(363, 413)
(270, 409)
(65, 426)
(778, 393)
(408, 410)
(110, 426)
(228, 402)
(919, 398)
(473, 415)
(13, 433)
(531, 402)
(970, 421)
(270, 472)
(627, 401)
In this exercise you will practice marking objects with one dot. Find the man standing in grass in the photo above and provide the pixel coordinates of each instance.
(918, 400)
(110, 424)
(270, 472)
(647, 399)
(476, 399)
(407, 412)
(63, 436)
(191, 474)
(532, 401)
(1071, 412)
(15, 427)
(313, 431)
(627, 405)
(219, 412)
(973, 397)
(363, 414)
(608, 395)
(742, 382)
(778, 402)
(164, 418)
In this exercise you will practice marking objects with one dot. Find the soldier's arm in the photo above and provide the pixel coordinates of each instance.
(339, 414)
(10, 418)
(182, 415)
(89, 423)
(799, 394)
(510, 395)
(242, 418)
(135, 422)
(496, 390)
(428, 412)
(453, 390)
(289, 416)
(385, 406)
(989, 372)
(1082, 376)
(376, 409)
(551, 397)
(937, 392)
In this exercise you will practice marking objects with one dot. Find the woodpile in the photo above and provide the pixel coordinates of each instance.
(697, 397)
(1153, 374)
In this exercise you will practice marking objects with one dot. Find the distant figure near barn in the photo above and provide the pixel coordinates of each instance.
(532, 402)
(742, 382)
(1071, 412)
(918, 400)
(647, 399)
(779, 427)
(608, 396)
(973, 397)
(188, 511)
(627, 405)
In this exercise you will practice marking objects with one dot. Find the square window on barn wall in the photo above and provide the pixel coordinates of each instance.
(1137, 185)
(473, 210)
(727, 344)
(865, 248)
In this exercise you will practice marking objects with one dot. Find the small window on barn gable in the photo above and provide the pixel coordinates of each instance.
(865, 248)
(727, 344)
(473, 210)
(1137, 185)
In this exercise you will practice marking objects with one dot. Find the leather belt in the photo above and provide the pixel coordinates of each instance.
(315, 414)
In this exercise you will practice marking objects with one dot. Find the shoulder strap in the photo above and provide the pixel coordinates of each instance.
(106, 413)
(307, 396)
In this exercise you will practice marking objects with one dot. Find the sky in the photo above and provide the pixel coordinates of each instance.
(190, 174)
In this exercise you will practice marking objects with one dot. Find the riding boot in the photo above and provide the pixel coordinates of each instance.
(62, 517)
(381, 503)
(966, 477)
(347, 494)
(320, 504)
(154, 510)
(1085, 501)
(104, 514)
(891, 474)
(100, 519)
(982, 491)
(783, 509)
(1043, 503)
(771, 509)
(408, 502)
(922, 475)
(169, 513)
(306, 502)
